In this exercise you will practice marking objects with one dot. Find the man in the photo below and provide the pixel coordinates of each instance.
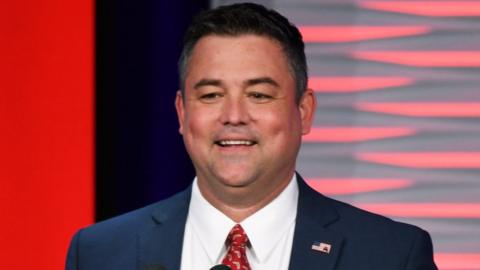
(242, 109)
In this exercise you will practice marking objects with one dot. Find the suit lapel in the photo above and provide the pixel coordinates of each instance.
(314, 214)
(160, 246)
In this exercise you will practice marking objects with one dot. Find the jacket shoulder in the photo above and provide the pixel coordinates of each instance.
(382, 241)
(138, 219)
(110, 244)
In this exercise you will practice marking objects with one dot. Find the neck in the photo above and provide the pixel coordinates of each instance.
(238, 203)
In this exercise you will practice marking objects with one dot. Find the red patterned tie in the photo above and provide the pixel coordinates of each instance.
(236, 257)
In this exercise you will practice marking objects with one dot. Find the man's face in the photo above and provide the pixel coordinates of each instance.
(239, 119)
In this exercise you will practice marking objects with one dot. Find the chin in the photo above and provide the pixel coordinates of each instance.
(236, 178)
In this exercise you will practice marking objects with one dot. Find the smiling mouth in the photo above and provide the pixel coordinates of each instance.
(230, 143)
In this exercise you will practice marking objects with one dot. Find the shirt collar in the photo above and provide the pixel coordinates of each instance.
(209, 224)
(269, 224)
(264, 228)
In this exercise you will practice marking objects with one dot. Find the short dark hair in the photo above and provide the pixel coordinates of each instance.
(248, 18)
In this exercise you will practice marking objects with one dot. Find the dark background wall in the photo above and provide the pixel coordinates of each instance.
(140, 157)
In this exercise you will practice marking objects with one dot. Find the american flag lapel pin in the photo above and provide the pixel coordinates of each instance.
(322, 247)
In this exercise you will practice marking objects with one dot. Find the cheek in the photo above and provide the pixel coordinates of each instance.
(280, 124)
(198, 125)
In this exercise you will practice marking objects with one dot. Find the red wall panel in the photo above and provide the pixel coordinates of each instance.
(46, 129)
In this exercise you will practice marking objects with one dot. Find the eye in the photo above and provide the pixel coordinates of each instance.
(260, 97)
(210, 97)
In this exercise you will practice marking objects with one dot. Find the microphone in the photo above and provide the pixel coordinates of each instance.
(220, 267)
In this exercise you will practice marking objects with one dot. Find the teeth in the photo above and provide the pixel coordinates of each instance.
(235, 142)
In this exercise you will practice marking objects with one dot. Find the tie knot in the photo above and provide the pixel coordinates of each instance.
(236, 257)
(237, 236)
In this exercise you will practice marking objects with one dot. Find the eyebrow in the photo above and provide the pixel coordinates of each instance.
(249, 82)
(207, 82)
(266, 80)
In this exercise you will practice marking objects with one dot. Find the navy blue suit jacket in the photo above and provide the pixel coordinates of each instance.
(151, 238)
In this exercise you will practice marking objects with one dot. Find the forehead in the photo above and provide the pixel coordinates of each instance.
(245, 38)
(243, 55)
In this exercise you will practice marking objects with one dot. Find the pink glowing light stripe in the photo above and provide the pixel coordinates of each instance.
(355, 134)
(447, 59)
(427, 8)
(457, 261)
(345, 84)
(336, 186)
(424, 109)
(343, 33)
(434, 160)
(425, 210)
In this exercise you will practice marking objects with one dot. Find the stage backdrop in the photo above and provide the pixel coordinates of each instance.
(46, 129)
(397, 129)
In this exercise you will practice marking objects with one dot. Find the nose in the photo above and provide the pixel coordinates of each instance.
(235, 111)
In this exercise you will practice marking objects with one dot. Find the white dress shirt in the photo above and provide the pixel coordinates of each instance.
(270, 231)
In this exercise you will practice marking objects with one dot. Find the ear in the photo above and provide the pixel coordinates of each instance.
(307, 106)
(179, 106)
